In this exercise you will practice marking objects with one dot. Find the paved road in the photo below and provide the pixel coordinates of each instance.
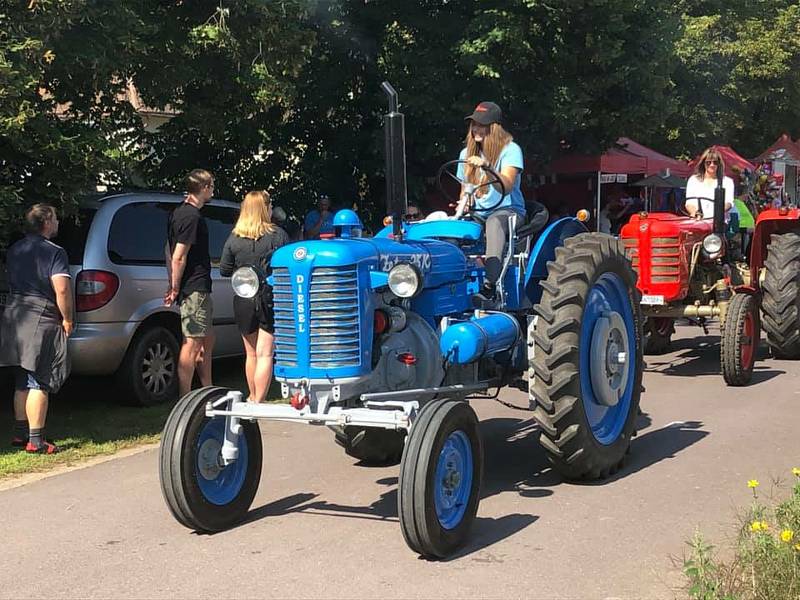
(322, 527)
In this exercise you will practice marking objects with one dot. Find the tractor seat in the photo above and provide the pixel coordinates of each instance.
(537, 221)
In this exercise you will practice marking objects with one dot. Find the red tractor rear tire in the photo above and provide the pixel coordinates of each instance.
(781, 289)
(741, 334)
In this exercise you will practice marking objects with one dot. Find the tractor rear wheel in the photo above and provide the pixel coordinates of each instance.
(741, 333)
(781, 303)
(586, 370)
(658, 335)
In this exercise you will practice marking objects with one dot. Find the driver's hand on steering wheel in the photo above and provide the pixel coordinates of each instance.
(477, 161)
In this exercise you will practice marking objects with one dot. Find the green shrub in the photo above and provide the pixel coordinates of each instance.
(766, 562)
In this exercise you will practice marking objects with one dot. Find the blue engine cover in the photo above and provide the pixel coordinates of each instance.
(325, 299)
(468, 341)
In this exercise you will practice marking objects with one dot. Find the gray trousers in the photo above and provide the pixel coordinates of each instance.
(496, 238)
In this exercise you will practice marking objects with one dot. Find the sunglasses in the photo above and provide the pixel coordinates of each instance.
(412, 215)
(711, 161)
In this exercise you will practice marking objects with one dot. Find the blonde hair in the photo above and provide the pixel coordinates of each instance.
(492, 145)
(700, 168)
(37, 215)
(254, 216)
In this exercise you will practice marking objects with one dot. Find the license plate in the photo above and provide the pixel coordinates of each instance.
(652, 299)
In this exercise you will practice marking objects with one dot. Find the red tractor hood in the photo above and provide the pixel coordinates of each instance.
(660, 247)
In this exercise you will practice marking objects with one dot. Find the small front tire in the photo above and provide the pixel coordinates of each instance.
(741, 334)
(201, 492)
(440, 478)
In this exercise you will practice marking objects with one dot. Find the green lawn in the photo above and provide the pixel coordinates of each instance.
(86, 420)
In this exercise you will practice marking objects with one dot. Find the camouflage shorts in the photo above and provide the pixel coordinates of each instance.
(197, 311)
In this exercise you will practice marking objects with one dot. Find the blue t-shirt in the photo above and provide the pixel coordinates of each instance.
(510, 156)
(31, 262)
(313, 217)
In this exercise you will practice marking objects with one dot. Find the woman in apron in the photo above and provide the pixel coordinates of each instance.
(35, 326)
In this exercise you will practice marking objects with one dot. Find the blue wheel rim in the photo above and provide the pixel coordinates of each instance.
(453, 480)
(219, 484)
(609, 293)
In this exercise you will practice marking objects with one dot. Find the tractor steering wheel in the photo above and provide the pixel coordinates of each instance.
(699, 199)
(470, 188)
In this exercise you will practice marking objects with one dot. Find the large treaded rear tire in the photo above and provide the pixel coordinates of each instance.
(741, 333)
(579, 443)
(781, 296)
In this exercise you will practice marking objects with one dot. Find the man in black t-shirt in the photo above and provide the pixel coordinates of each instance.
(190, 280)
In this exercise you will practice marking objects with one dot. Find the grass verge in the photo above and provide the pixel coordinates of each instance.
(86, 420)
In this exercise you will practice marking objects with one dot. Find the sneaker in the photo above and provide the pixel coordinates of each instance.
(18, 442)
(45, 448)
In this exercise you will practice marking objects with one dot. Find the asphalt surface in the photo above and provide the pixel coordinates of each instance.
(324, 527)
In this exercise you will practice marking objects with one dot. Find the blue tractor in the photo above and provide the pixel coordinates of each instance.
(378, 340)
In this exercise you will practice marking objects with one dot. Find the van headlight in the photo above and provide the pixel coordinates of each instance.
(245, 282)
(404, 281)
(712, 244)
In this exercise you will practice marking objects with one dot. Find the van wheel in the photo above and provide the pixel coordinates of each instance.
(149, 373)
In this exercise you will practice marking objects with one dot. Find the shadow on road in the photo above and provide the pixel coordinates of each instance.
(697, 356)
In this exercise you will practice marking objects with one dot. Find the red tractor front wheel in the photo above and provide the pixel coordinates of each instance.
(741, 334)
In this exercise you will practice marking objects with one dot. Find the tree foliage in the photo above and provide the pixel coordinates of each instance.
(284, 94)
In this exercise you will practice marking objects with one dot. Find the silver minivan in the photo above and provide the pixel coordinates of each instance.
(116, 250)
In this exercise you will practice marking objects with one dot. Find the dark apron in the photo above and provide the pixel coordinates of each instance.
(32, 337)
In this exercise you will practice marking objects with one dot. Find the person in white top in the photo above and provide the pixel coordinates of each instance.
(700, 187)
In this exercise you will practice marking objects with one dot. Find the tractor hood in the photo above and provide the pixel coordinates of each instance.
(438, 262)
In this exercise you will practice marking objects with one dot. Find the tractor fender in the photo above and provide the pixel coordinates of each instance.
(544, 250)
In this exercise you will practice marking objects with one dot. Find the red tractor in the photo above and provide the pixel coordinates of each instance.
(686, 270)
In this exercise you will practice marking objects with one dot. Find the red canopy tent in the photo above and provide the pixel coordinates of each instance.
(625, 157)
(731, 158)
(783, 149)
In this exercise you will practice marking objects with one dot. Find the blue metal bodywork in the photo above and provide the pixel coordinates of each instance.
(326, 292)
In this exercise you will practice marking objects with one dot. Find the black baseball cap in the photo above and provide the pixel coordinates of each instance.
(486, 113)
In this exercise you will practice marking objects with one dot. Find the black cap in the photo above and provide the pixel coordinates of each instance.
(486, 113)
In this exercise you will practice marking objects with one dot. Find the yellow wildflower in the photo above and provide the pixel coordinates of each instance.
(797, 547)
(755, 526)
(796, 472)
(787, 535)
(753, 483)
(49, 56)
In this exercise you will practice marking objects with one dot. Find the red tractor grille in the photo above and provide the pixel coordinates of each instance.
(665, 260)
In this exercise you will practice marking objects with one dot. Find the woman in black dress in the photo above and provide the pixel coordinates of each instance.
(252, 242)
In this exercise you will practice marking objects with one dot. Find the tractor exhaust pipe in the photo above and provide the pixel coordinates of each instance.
(719, 205)
(394, 130)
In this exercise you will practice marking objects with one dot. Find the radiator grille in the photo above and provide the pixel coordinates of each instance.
(333, 324)
(285, 328)
(665, 260)
(334, 318)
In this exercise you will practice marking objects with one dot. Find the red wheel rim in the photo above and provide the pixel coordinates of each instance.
(748, 335)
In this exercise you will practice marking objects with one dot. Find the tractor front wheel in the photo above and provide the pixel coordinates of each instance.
(440, 478)
(781, 288)
(586, 370)
(201, 491)
(740, 336)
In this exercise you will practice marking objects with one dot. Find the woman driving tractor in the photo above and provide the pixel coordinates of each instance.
(701, 185)
(488, 144)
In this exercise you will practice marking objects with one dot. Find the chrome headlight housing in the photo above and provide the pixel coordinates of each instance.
(245, 282)
(712, 244)
(404, 281)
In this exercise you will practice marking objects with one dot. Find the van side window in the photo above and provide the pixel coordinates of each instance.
(138, 233)
(220, 221)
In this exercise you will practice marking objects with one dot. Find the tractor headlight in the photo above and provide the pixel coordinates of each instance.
(404, 281)
(712, 244)
(245, 282)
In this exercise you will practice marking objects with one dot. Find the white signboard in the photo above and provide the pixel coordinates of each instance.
(613, 178)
